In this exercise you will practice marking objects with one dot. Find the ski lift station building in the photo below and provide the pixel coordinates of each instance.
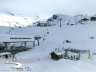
(8, 39)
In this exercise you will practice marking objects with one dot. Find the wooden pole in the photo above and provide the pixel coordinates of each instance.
(25, 43)
(79, 55)
(38, 42)
(89, 54)
(33, 43)
(60, 22)
(6, 47)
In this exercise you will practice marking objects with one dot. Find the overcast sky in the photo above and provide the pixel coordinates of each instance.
(47, 7)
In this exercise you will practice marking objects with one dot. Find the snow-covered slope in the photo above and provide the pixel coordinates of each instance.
(57, 19)
(8, 19)
(38, 58)
(79, 35)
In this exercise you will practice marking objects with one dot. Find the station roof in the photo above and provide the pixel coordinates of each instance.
(16, 38)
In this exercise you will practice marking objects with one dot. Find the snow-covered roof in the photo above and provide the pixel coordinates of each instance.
(5, 53)
(16, 38)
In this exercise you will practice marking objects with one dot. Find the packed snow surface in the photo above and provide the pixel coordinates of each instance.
(38, 58)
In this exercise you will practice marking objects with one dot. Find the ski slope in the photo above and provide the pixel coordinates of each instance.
(38, 58)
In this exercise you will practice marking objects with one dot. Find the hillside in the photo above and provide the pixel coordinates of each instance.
(9, 19)
(82, 36)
